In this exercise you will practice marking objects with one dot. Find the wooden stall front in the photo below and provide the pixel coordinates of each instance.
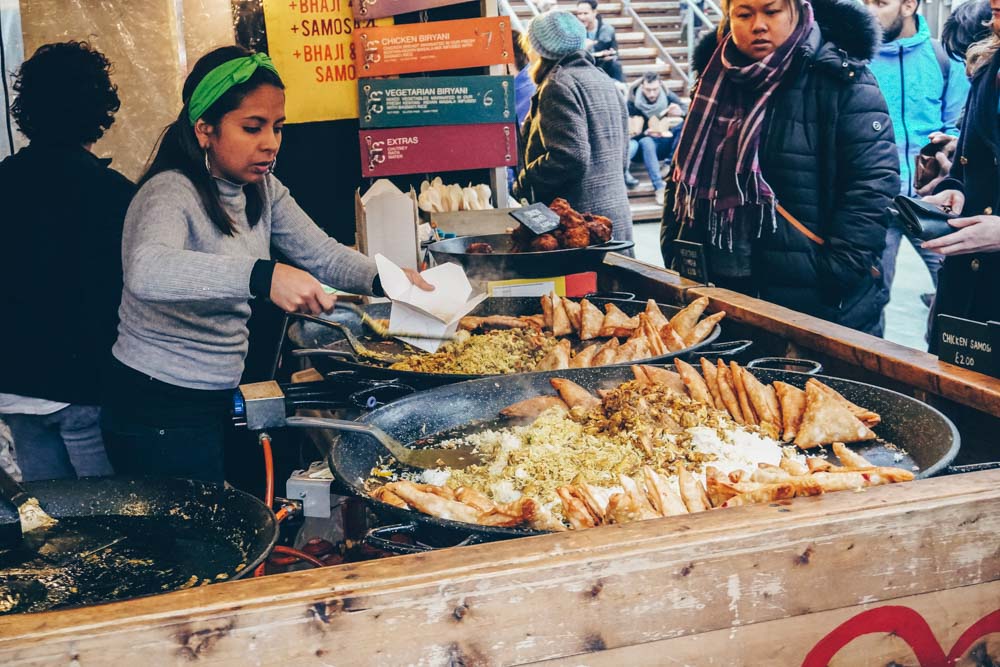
(906, 574)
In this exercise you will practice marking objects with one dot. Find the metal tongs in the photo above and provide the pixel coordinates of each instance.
(381, 330)
(356, 345)
(359, 348)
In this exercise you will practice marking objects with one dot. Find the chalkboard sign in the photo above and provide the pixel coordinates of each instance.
(689, 261)
(965, 343)
(539, 218)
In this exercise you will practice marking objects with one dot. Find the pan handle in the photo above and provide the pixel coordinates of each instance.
(381, 539)
(323, 352)
(622, 296)
(972, 467)
(809, 366)
(379, 395)
(727, 349)
(613, 246)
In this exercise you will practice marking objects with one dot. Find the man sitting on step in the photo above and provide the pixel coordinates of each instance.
(655, 118)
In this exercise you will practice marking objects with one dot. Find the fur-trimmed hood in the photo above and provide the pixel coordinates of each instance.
(845, 36)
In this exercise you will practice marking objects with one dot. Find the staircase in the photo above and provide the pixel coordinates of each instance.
(638, 55)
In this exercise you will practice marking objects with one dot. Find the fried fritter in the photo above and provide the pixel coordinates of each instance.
(481, 248)
(543, 242)
(599, 228)
(573, 237)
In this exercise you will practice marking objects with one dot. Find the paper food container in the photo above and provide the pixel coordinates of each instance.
(386, 223)
(434, 313)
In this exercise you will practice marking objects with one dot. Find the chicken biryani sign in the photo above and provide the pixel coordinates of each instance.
(310, 42)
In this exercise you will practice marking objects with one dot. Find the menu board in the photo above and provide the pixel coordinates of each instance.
(428, 47)
(373, 9)
(390, 152)
(310, 42)
(444, 100)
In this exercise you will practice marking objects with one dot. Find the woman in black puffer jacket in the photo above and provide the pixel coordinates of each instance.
(787, 179)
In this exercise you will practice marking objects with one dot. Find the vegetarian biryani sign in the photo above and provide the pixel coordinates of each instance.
(310, 42)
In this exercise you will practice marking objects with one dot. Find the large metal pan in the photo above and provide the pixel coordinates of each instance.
(205, 532)
(929, 438)
(332, 353)
(503, 264)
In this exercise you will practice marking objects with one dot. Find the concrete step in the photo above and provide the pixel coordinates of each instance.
(666, 37)
(646, 211)
(653, 22)
(657, 7)
(649, 53)
(634, 70)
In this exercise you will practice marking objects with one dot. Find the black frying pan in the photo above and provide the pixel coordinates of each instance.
(338, 355)
(178, 533)
(929, 438)
(502, 264)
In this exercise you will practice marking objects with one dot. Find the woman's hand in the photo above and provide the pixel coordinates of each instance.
(418, 280)
(947, 200)
(295, 291)
(947, 142)
(980, 233)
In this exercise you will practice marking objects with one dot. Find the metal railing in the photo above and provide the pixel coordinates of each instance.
(693, 12)
(508, 11)
(637, 20)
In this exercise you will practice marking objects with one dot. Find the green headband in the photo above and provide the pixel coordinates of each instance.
(222, 78)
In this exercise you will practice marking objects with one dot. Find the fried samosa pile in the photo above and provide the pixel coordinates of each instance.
(817, 415)
(653, 496)
(648, 334)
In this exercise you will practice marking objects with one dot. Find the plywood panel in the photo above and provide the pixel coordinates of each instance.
(140, 37)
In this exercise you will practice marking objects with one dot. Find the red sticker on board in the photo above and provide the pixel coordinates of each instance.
(907, 624)
(416, 150)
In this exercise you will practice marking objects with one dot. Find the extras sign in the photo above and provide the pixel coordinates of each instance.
(416, 150)
(910, 626)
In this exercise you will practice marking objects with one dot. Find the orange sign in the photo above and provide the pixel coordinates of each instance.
(428, 47)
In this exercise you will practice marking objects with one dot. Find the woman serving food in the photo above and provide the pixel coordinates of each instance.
(195, 250)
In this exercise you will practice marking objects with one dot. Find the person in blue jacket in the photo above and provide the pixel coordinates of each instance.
(925, 91)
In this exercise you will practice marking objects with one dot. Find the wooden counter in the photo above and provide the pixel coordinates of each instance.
(906, 574)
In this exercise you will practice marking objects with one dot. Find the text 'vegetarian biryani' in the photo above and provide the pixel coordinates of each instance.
(655, 446)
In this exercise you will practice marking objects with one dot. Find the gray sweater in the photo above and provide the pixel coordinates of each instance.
(185, 303)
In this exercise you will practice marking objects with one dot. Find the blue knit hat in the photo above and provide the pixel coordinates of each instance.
(556, 34)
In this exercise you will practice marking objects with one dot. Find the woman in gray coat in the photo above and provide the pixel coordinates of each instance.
(575, 138)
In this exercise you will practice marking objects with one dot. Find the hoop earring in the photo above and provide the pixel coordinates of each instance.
(208, 166)
(270, 169)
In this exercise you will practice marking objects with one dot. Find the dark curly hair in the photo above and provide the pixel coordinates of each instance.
(65, 94)
(968, 24)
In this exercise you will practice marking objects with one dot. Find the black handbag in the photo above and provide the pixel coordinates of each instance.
(922, 220)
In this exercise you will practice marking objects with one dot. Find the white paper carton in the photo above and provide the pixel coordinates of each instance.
(386, 222)
(435, 313)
